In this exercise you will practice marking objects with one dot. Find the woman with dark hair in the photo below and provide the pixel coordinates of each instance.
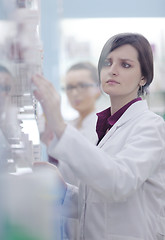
(145, 56)
(122, 191)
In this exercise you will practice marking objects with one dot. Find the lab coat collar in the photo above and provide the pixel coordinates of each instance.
(132, 112)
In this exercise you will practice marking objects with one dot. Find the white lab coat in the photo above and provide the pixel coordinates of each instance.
(123, 192)
(88, 129)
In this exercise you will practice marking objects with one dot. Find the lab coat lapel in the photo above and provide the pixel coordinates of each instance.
(109, 134)
(133, 111)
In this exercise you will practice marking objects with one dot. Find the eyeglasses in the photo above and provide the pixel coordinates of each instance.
(80, 87)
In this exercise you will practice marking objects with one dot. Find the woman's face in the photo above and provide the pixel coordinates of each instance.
(81, 90)
(121, 73)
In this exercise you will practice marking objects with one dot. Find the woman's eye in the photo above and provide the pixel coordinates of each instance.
(107, 63)
(126, 65)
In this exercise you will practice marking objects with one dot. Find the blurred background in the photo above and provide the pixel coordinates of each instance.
(47, 37)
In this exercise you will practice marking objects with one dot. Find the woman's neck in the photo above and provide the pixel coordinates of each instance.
(118, 102)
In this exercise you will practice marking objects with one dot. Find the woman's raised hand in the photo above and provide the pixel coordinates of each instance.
(50, 101)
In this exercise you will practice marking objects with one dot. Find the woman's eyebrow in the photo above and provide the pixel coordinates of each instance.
(121, 59)
(127, 59)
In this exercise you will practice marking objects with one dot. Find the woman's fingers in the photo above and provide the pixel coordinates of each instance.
(50, 102)
(44, 89)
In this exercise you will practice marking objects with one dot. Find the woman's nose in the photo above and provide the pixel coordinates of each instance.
(113, 70)
(75, 91)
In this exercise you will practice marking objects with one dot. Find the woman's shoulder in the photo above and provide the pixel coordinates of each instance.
(150, 121)
(143, 110)
(153, 116)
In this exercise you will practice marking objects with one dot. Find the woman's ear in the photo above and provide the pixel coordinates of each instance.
(142, 81)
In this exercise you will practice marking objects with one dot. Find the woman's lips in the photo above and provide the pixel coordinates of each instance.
(77, 102)
(111, 81)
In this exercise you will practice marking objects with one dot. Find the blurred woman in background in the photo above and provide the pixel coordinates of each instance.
(82, 89)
